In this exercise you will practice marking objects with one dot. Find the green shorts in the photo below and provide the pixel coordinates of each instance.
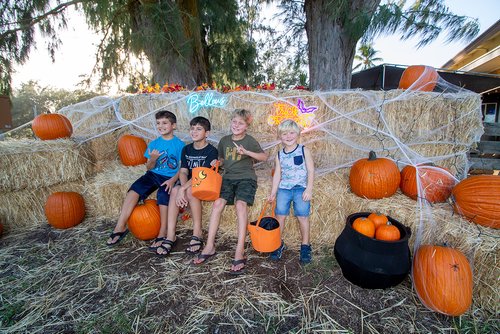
(243, 190)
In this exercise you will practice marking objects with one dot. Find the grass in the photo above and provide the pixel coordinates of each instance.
(69, 281)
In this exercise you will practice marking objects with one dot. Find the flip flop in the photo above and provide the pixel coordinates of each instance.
(241, 270)
(204, 257)
(198, 243)
(164, 247)
(154, 248)
(120, 236)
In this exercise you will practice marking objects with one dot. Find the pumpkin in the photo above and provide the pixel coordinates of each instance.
(387, 232)
(419, 77)
(51, 126)
(436, 182)
(364, 226)
(442, 278)
(65, 209)
(378, 219)
(131, 150)
(144, 221)
(374, 177)
(478, 199)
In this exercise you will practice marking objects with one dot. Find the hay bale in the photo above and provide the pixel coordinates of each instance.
(347, 124)
(107, 190)
(38, 164)
(24, 208)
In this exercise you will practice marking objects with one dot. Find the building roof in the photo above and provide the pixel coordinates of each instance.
(481, 55)
(387, 77)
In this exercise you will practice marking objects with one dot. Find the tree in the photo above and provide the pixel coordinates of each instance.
(186, 41)
(334, 27)
(366, 57)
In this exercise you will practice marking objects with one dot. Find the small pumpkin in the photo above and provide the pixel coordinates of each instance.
(477, 198)
(144, 221)
(419, 77)
(131, 150)
(364, 226)
(374, 177)
(378, 219)
(387, 232)
(436, 182)
(65, 209)
(51, 126)
(442, 278)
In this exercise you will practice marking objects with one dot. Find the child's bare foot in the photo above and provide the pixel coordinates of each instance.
(157, 243)
(116, 236)
(238, 266)
(166, 247)
(205, 254)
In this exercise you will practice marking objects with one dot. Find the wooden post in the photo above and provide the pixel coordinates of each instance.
(5, 113)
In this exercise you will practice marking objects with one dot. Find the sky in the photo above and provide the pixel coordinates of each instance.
(75, 58)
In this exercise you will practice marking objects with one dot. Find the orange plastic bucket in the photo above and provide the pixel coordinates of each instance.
(206, 183)
(265, 232)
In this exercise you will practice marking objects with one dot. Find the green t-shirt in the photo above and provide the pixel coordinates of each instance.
(237, 166)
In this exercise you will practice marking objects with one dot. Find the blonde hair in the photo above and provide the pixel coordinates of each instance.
(243, 113)
(288, 125)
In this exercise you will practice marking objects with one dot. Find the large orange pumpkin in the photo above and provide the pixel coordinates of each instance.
(144, 222)
(419, 77)
(65, 209)
(442, 278)
(478, 199)
(52, 126)
(374, 177)
(436, 182)
(131, 150)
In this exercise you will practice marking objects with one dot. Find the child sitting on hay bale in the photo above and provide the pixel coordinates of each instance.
(163, 154)
(293, 182)
(237, 152)
(197, 154)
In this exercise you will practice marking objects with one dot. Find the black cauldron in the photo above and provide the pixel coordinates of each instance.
(371, 263)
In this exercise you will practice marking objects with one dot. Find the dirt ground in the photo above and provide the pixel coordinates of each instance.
(69, 281)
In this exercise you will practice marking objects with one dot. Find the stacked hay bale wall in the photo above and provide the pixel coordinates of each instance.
(407, 127)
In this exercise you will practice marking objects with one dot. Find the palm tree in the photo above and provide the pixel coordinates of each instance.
(366, 56)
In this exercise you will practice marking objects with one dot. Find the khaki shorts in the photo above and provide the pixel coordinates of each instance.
(243, 190)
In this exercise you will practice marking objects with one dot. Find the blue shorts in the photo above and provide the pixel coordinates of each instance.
(148, 183)
(285, 197)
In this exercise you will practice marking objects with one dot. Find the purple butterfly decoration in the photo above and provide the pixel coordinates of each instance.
(303, 109)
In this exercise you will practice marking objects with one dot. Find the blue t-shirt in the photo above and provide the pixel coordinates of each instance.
(293, 168)
(169, 161)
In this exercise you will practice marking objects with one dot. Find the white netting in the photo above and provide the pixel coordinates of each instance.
(410, 127)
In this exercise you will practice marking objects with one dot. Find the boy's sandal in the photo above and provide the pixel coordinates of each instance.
(198, 243)
(167, 246)
(120, 236)
(241, 270)
(154, 248)
(204, 258)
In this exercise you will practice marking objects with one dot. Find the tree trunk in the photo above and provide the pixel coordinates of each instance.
(180, 64)
(327, 31)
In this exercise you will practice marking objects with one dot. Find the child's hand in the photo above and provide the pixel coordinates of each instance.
(169, 184)
(271, 198)
(240, 149)
(307, 194)
(181, 200)
(154, 154)
(213, 163)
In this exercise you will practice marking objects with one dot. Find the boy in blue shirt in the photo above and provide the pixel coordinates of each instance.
(163, 164)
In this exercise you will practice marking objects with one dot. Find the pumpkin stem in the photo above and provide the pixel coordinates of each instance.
(372, 156)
